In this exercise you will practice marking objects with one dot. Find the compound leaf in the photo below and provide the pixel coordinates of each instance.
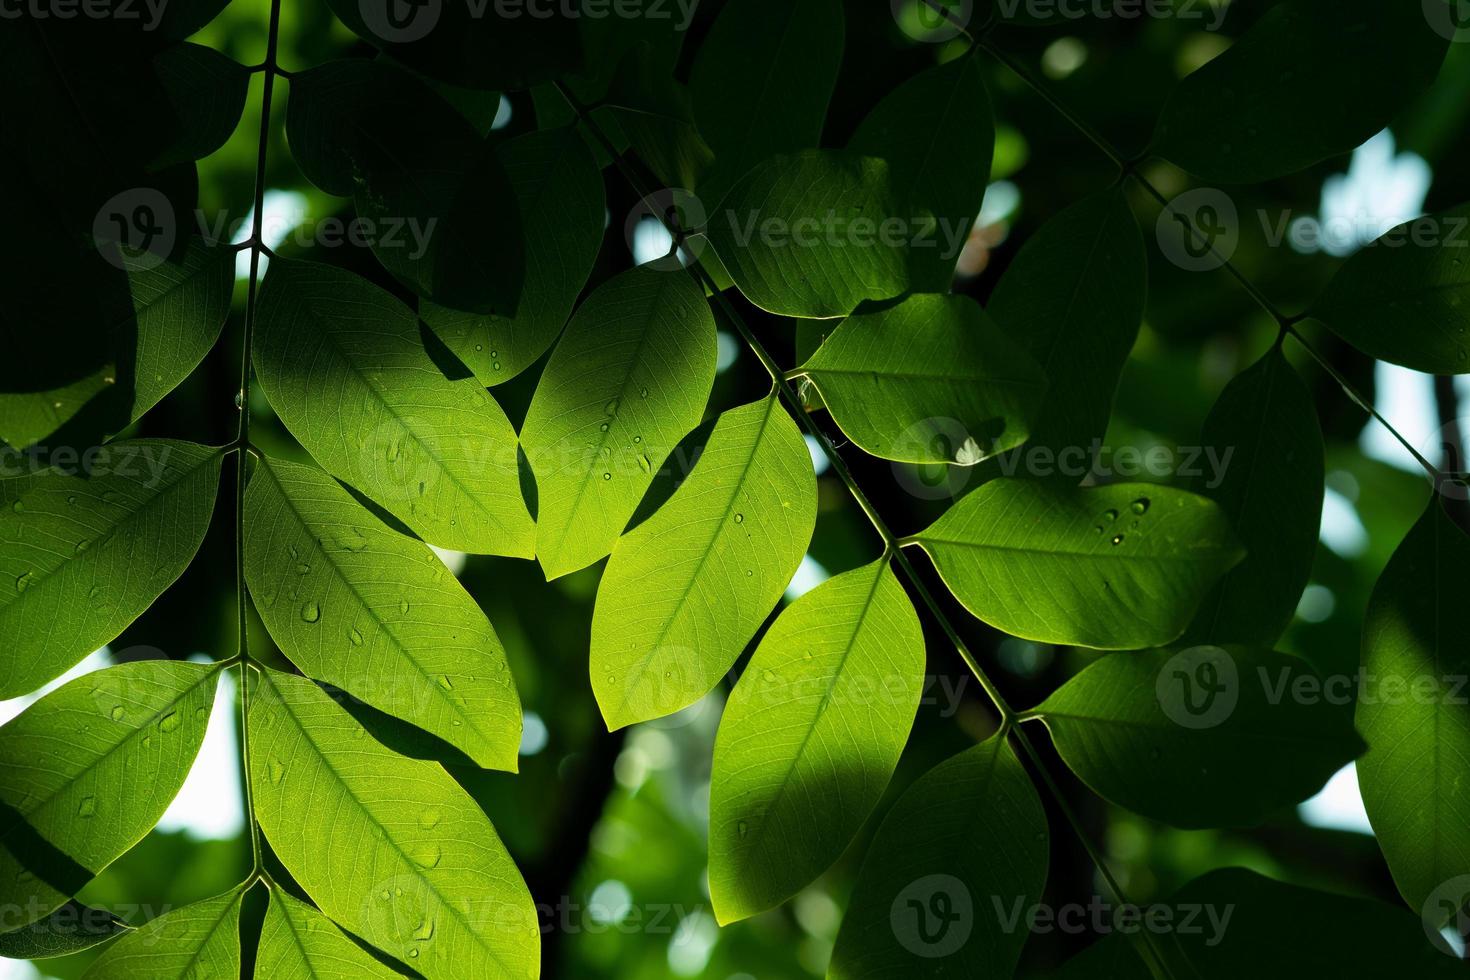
(630, 378)
(390, 848)
(685, 591)
(375, 613)
(131, 733)
(1229, 736)
(925, 379)
(1116, 567)
(813, 234)
(86, 548)
(810, 737)
(1418, 729)
(344, 366)
(198, 940)
(1311, 79)
(968, 832)
(1406, 297)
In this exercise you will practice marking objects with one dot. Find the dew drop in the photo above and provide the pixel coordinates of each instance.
(430, 818)
(742, 829)
(642, 392)
(1139, 506)
(426, 855)
(87, 807)
(117, 712)
(770, 677)
(311, 612)
(644, 464)
(302, 568)
(169, 722)
(1097, 529)
(72, 499)
(18, 507)
(603, 427)
(637, 438)
(495, 353)
(23, 581)
(425, 931)
(403, 606)
(278, 772)
(83, 546)
(1110, 515)
(739, 518)
(495, 365)
(413, 954)
(445, 682)
(607, 476)
(1117, 539)
(611, 408)
(355, 637)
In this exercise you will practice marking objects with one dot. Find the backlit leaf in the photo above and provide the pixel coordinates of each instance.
(299, 943)
(195, 941)
(71, 928)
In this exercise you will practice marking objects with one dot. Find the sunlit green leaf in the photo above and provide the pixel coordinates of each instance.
(559, 191)
(814, 234)
(1271, 490)
(1414, 717)
(1116, 567)
(627, 382)
(810, 737)
(89, 542)
(685, 591)
(390, 848)
(1309, 80)
(761, 83)
(1073, 299)
(937, 134)
(1229, 736)
(344, 366)
(130, 735)
(1406, 297)
(375, 613)
(919, 381)
(969, 834)
(195, 941)
(299, 943)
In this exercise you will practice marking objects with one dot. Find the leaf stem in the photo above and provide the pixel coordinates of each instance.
(242, 436)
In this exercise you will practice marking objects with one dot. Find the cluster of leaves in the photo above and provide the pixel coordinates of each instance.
(402, 868)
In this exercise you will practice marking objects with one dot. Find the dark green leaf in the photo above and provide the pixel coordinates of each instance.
(1270, 488)
(344, 366)
(927, 380)
(1116, 567)
(389, 847)
(70, 929)
(1414, 718)
(627, 382)
(1207, 737)
(1406, 297)
(375, 613)
(189, 943)
(937, 134)
(814, 234)
(653, 112)
(685, 591)
(810, 737)
(1311, 79)
(962, 849)
(86, 547)
(206, 92)
(130, 733)
(761, 83)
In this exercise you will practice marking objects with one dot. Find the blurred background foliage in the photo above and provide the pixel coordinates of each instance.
(609, 829)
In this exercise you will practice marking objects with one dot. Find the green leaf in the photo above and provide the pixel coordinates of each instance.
(969, 833)
(1243, 924)
(1406, 297)
(937, 134)
(375, 613)
(761, 83)
(653, 111)
(434, 201)
(916, 381)
(344, 366)
(813, 234)
(810, 737)
(1271, 491)
(299, 943)
(559, 191)
(1207, 737)
(130, 734)
(206, 92)
(390, 848)
(72, 928)
(685, 591)
(195, 941)
(86, 546)
(627, 382)
(1418, 731)
(1311, 79)
(1073, 298)
(1115, 567)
